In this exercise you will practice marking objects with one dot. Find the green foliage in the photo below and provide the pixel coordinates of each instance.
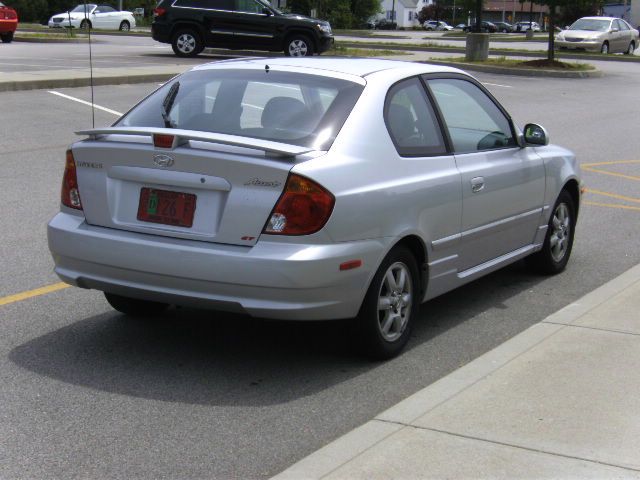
(340, 13)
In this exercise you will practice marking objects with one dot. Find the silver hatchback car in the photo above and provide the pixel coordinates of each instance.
(311, 189)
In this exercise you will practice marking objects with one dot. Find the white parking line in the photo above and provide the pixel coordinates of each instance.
(497, 85)
(104, 109)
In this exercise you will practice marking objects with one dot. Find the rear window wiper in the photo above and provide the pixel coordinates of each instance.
(167, 105)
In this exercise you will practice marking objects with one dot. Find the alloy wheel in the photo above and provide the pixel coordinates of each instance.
(298, 48)
(394, 301)
(559, 240)
(186, 43)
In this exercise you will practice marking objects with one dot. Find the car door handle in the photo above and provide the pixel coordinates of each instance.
(477, 184)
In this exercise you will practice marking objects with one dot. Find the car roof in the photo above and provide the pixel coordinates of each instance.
(359, 67)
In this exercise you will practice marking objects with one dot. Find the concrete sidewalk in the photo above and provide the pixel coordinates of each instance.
(560, 400)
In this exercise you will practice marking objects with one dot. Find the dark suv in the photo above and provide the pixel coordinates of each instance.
(191, 25)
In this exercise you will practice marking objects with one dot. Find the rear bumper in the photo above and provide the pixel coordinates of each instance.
(8, 26)
(161, 32)
(269, 280)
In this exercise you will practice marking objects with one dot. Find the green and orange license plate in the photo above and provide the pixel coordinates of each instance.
(166, 207)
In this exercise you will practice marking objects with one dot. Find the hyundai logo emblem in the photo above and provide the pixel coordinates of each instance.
(163, 161)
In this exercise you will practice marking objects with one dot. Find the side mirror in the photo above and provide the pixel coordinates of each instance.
(535, 135)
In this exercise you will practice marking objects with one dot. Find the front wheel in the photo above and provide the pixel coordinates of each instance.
(298, 46)
(631, 49)
(85, 25)
(384, 323)
(558, 241)
(124, 26)
(186, 43)
(134, 306)
(7, 37)
(605, 48)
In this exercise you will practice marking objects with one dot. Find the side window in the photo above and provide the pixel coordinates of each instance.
(249, 6)
(207, 4)
(474, 122)
(411, 121)
(107, 9)
(624, 25)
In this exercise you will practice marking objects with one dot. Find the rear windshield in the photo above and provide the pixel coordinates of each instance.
(294, 108)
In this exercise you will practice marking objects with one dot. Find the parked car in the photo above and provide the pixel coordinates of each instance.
(504, 27)
(600, 34)
(8, 23)
(460, 26)
(191, 25)
(436, 25)
(524, 26)
(318, 189)
(384, 24)
(90, 15)
(485, 27)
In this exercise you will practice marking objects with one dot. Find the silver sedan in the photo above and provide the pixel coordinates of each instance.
(600, 34)
(312, 189)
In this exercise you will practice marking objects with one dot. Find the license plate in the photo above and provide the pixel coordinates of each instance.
(166, 207)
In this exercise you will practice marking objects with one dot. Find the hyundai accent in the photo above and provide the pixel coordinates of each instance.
(311, 189)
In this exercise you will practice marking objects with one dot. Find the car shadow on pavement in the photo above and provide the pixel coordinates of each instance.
(213, 358)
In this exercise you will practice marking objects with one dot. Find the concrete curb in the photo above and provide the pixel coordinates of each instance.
(522, 72)
(53, 40)
(98, 80)
(354, 443)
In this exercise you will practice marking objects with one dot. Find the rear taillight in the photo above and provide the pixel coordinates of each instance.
(303, 208)
(158, 12)
(70, 195)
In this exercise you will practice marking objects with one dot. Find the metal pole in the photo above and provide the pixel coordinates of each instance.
(504, 7)
(453, 19)
(393, 11)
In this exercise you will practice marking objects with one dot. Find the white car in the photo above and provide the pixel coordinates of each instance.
(439, 26)
(90, 15)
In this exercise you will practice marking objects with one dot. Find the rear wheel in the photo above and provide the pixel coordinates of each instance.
(384, 323)
(605, 48)
(298, 45)
(187, 43)
(7, 37)
(558, 241)
(124, 26)
(631, 49)
(134, 306)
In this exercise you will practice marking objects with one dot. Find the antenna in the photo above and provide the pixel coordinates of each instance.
(93, 110)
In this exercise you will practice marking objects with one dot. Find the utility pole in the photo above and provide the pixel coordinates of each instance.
(393, 11)
(120, 5)
(478, 16)
(504, 8)
(624, 9)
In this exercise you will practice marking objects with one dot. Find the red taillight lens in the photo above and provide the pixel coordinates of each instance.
(10, 14)
(303, 208)
(158, 12)
(70, 195)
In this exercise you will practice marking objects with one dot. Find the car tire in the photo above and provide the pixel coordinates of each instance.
(134, 306)
(7, 37)
(298, 45)
(186, 43)
(85, 24)
(604, 49)
(631, 49)
(383, 325)
(124, 26)
(558, 241)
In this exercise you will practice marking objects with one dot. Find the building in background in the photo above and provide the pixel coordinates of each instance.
(617, 9)
(406, 11)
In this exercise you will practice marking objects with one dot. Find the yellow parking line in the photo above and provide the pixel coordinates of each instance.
(613, 174)
(612, 205)
(615, 162)
(32, 293)
(613, 195)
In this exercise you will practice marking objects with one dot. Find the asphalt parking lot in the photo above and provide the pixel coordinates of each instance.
(89, 393)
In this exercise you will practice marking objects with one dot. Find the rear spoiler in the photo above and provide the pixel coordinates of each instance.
(183, 136)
